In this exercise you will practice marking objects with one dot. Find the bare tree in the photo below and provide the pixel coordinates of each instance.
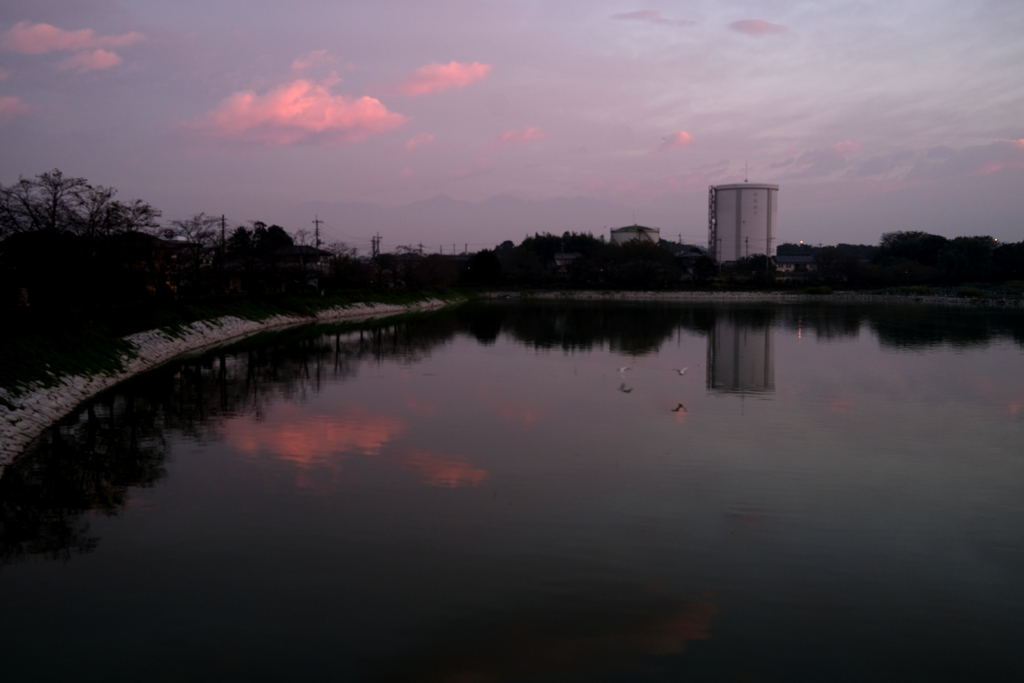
(47, 203)
(200, 232)
(341, 250)
(301, 237)
(52, 203)
(135, 216)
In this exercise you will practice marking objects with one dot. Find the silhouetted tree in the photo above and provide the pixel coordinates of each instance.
(53, 203)
(483, 269)
(200, 232)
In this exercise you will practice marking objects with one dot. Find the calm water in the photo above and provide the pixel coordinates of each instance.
(827, 494)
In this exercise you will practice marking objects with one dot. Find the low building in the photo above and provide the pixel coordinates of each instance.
(636, 232)
(795, 265)
(562, 261)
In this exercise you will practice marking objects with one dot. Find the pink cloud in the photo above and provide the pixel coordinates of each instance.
(10, 107)
(980, 160)
(516, 137)
(756, 27)
(846, 147)
(418, 140)
(90, 61)
(37, 39)
(432, 77)
(4, 74)
(675, 141)
(298, 112)
(481, 165)
(314, 58)
(653, 16)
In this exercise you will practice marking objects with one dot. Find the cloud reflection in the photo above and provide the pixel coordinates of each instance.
(296, 436)
(445, 472)
(601, 638)
(509, 411)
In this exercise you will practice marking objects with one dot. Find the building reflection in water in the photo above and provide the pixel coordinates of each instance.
(741, 356)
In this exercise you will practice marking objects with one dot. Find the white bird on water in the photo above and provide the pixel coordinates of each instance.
(624, 368)
(681, 372)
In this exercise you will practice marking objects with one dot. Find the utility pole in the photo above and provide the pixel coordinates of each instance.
(223, 230)
(375, 242)
(317, 222)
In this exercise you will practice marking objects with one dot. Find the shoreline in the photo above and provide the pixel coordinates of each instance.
(759, 297)
(39, 408)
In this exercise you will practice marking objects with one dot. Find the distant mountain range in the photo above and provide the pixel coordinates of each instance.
(445, 223)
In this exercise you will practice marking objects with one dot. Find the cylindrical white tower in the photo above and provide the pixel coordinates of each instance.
(742, 220)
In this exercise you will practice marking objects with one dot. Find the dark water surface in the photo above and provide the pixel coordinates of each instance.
(829, 493)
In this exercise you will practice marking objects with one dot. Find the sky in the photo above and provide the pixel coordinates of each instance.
(871, 116)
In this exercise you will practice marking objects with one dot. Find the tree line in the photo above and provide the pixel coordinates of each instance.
(64, 241)
(915, 258)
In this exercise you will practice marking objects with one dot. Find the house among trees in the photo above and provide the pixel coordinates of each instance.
(795, 265)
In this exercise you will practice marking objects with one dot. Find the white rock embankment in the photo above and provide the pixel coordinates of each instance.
(39, 407)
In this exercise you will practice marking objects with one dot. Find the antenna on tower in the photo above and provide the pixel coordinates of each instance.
(746, 169)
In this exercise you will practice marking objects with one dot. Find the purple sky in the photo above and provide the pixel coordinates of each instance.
(871, 116)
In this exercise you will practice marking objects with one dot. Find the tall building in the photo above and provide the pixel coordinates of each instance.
(742, 220)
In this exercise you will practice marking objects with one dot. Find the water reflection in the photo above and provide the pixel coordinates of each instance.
(606, 635)
(741, 358)
(86, 465)
(247, 395)
(479, 494)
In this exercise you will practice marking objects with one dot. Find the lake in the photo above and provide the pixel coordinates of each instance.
(535, 491)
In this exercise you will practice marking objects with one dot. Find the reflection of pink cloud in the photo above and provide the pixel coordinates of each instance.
(11, 107)
(516, 137)
(90, 61)
(445, 472)
(433, 77)
(296, 112)
(846, 147)
(841, 405)
(35, 39)
(614, 638)
(1015, 407)
(417, 140)
(676, 140)
(508, 411)
(756, 27)
(307, 439)
(418, 406)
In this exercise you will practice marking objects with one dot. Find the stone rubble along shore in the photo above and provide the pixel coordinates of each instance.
(39, 407)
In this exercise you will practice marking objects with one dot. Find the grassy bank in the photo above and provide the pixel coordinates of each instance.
(38, 347)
